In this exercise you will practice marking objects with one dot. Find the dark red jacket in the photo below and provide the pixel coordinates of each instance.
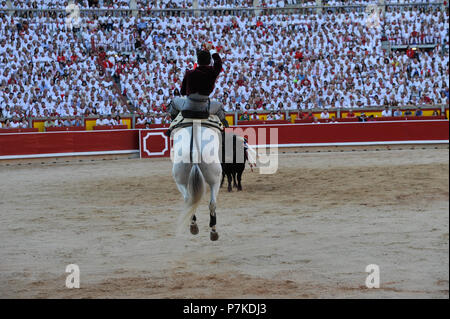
(202, 79)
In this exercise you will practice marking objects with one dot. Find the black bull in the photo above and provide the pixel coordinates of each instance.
(233, 157)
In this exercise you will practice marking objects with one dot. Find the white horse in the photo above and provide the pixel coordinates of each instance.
(197, 163)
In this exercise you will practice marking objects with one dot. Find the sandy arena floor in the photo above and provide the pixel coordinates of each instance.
(307, 232)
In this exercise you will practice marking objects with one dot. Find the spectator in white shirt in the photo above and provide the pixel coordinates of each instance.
(109, 120)
(325, 114)
(386, 112)
(255, 116)
(101, 121)
(118, 120)
(141, 120)
(15, 123)
(278, 116)
(24, 123)
(158, 119)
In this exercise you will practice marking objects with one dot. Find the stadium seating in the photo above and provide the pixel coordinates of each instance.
(417, 118)
(121, 64)
(139, 126)
(68, 128)
(110, 127)
(259, 122)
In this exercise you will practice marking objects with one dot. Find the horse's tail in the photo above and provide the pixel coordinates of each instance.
(196, 189)
(196, 186)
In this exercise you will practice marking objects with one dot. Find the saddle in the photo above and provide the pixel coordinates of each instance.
(195, 115)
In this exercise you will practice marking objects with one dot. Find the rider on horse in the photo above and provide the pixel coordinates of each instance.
(197, 85)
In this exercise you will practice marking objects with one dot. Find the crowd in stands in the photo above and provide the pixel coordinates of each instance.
(152, 4)
(171, 4)
(112, 65)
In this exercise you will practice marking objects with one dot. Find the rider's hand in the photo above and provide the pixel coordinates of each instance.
(208, 46)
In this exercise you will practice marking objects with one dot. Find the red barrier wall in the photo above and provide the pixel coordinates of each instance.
(67, 143)
(384, 118)
(327, 133)
(20, 145)
(18, 130)
(154, 143)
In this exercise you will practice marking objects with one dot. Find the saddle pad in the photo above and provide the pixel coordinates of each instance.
(211, 121)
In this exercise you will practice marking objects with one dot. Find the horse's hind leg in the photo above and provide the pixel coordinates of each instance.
(212, 211)
(194, 227)
(212, 174)
(183, 190)
(181, 178)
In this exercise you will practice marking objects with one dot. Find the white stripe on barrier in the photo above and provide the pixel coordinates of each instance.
(254, 146)
(140, 144)
(68, 154)
(353, 143)
(346, 123)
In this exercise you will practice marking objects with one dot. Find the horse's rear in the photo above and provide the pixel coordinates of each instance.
(196, 163)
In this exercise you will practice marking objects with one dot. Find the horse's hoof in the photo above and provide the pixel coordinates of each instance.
(230, 189)
(239, 188)
(194, 229)
(214, 235)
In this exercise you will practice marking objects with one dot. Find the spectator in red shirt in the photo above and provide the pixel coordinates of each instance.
(410, 53)
(350, 114)
(414, 37)
(305, 82)
(61, 57)
(310, 115)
